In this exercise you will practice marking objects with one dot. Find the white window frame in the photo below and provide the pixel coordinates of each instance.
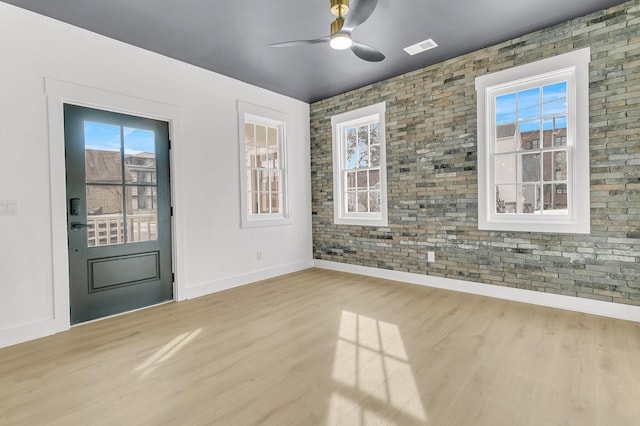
(572, 67)
(339, 122)
(264, 116)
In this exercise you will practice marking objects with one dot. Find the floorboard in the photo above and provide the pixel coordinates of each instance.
(322, 348)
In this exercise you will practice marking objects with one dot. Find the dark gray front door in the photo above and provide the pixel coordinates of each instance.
(118, 212)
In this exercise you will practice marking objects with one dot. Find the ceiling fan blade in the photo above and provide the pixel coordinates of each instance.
(367, 53)
(360, 13)
(301, 42)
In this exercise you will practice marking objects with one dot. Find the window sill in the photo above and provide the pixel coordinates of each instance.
(544, 224)
(361, 221)
(264, 222)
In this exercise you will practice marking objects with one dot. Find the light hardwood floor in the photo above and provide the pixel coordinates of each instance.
(319, 348)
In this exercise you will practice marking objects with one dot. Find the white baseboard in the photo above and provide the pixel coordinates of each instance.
(577, 304)
(26, 332)
(203, 289)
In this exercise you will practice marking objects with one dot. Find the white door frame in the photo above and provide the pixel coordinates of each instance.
(61, 92)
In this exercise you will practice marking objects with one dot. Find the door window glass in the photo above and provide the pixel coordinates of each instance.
(121, 178)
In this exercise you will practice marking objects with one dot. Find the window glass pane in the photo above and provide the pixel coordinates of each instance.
(275, 202)
(142, 214)
(529, 135)
(262, 157)
(351, 138)
(506, 199)
(375, 155)
(363, 202)
(362, 180)
(351, 147)
(505, 110)
(272, 146)
(249, 146)
(363, 136)
(363, 146)
(265, 202)
(374, 201)
(252, 203)
(554, 99)
(375, 133)
(261, 146)
(363, 157)
(351, 181)
(374, 179)
(529, 104)
(140, 155)
(272, 138)
(506, 140)
(505, 168)
(261, 136)
(265, 181)
(250, 156)
(351, 201)
(530, 167)
(275, 180)
(105, 215)
(555, 197)
(249, 134)
(555, 165)
(530, 196)
(103, 159)
(252, 180)
(555, 131)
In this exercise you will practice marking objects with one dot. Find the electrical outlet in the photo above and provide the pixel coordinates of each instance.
(431, 256)
(258, 255)
(8, 208)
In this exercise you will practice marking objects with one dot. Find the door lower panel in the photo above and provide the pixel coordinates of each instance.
(123, 270)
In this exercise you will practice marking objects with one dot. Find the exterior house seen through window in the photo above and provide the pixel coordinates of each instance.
(526, 171)
(533, 146)
(360, 167)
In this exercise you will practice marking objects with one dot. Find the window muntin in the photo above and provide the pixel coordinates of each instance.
(360, 167)
(263, 166)
(533, 146)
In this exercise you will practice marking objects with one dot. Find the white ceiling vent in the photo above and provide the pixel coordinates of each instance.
(420, 47)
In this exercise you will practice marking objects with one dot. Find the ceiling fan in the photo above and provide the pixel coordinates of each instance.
(347, 20)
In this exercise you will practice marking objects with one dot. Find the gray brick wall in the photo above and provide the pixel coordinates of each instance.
(432, 178)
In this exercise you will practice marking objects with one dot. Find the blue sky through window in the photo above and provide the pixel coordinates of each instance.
(524, 107)
(106, 137)
(137, 140)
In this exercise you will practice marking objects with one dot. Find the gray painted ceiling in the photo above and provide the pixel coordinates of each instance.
(232, 37)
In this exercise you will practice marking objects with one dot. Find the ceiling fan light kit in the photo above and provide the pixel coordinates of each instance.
(340, 41)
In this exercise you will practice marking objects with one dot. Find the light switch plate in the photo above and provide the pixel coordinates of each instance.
(8, 208)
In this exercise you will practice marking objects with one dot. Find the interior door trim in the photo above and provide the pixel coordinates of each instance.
(59, 93)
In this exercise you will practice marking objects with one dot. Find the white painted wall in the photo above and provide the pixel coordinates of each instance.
(214, 252)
